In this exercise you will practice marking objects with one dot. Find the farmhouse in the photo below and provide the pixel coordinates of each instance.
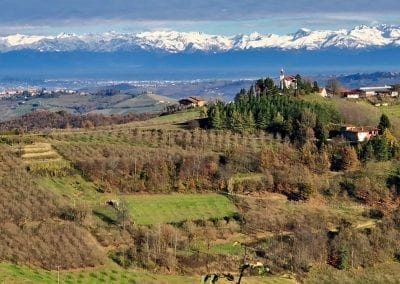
(192, 101)
(351, 95)
(358, 134)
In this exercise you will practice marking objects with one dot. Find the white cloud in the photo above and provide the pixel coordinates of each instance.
(212, 16)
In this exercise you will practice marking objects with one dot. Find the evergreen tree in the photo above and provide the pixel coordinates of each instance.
(307, 87)
(384, 123)
(300, 84)
(260, 85)
(251, 91)
(236, 121)
(287, 128)
(216, 117)
(270, 86)
(367, 152)
(381, 149)
(315, 88)
(320, 133)
(261, 121)
(249, 123)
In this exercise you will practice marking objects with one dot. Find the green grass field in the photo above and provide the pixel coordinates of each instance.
(228, 248)
(391, 110)
(357, 112)
(159, 209)
(73, 187)
(144, 209)
(381, 273)
(167, 121)
(11, 273)
(156, 209)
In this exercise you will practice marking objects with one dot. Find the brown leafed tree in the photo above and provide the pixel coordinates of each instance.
(349, 159)
(334, 86)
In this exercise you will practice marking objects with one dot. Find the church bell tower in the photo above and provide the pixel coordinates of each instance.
(282, 79)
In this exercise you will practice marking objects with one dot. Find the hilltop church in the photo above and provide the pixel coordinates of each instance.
(287, 82)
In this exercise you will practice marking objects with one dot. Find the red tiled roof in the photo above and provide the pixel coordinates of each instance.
(361, 128)
(290, 78)
(196, 98)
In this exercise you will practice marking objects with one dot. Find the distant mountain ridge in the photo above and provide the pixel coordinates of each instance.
(360, 37)
(372, 76)
(370, 79)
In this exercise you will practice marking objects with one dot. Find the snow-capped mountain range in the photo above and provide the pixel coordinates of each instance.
(360, 37)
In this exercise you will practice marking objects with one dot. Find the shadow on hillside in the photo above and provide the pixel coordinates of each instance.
(104, 217)
(193, 124)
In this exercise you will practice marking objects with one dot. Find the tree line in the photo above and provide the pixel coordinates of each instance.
(63, 120)
(266, 110)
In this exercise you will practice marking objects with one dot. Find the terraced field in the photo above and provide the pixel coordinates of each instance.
(39, 152)
(41, 158)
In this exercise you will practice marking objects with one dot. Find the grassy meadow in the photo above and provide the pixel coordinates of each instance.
(178, 207)
(144, 209)
(18, 274)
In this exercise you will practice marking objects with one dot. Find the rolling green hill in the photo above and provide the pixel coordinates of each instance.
(142, 203)
(86, 103)
(143, 103)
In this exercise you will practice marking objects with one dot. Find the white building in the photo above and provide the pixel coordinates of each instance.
(352, 95)
(378, 90)
(287, 82)
(323, 93)
(358, 134)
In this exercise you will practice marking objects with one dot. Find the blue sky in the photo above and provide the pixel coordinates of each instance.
(225, 17)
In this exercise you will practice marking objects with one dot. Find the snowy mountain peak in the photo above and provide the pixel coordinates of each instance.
(302, 33)
(174, 42)
(18, 39)
(66, 35)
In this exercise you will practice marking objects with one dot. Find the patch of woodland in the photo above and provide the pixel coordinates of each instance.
(63, 120)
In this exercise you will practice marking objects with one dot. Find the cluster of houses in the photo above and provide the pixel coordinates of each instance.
(363, 92)
(31, 92)
(290, 82)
